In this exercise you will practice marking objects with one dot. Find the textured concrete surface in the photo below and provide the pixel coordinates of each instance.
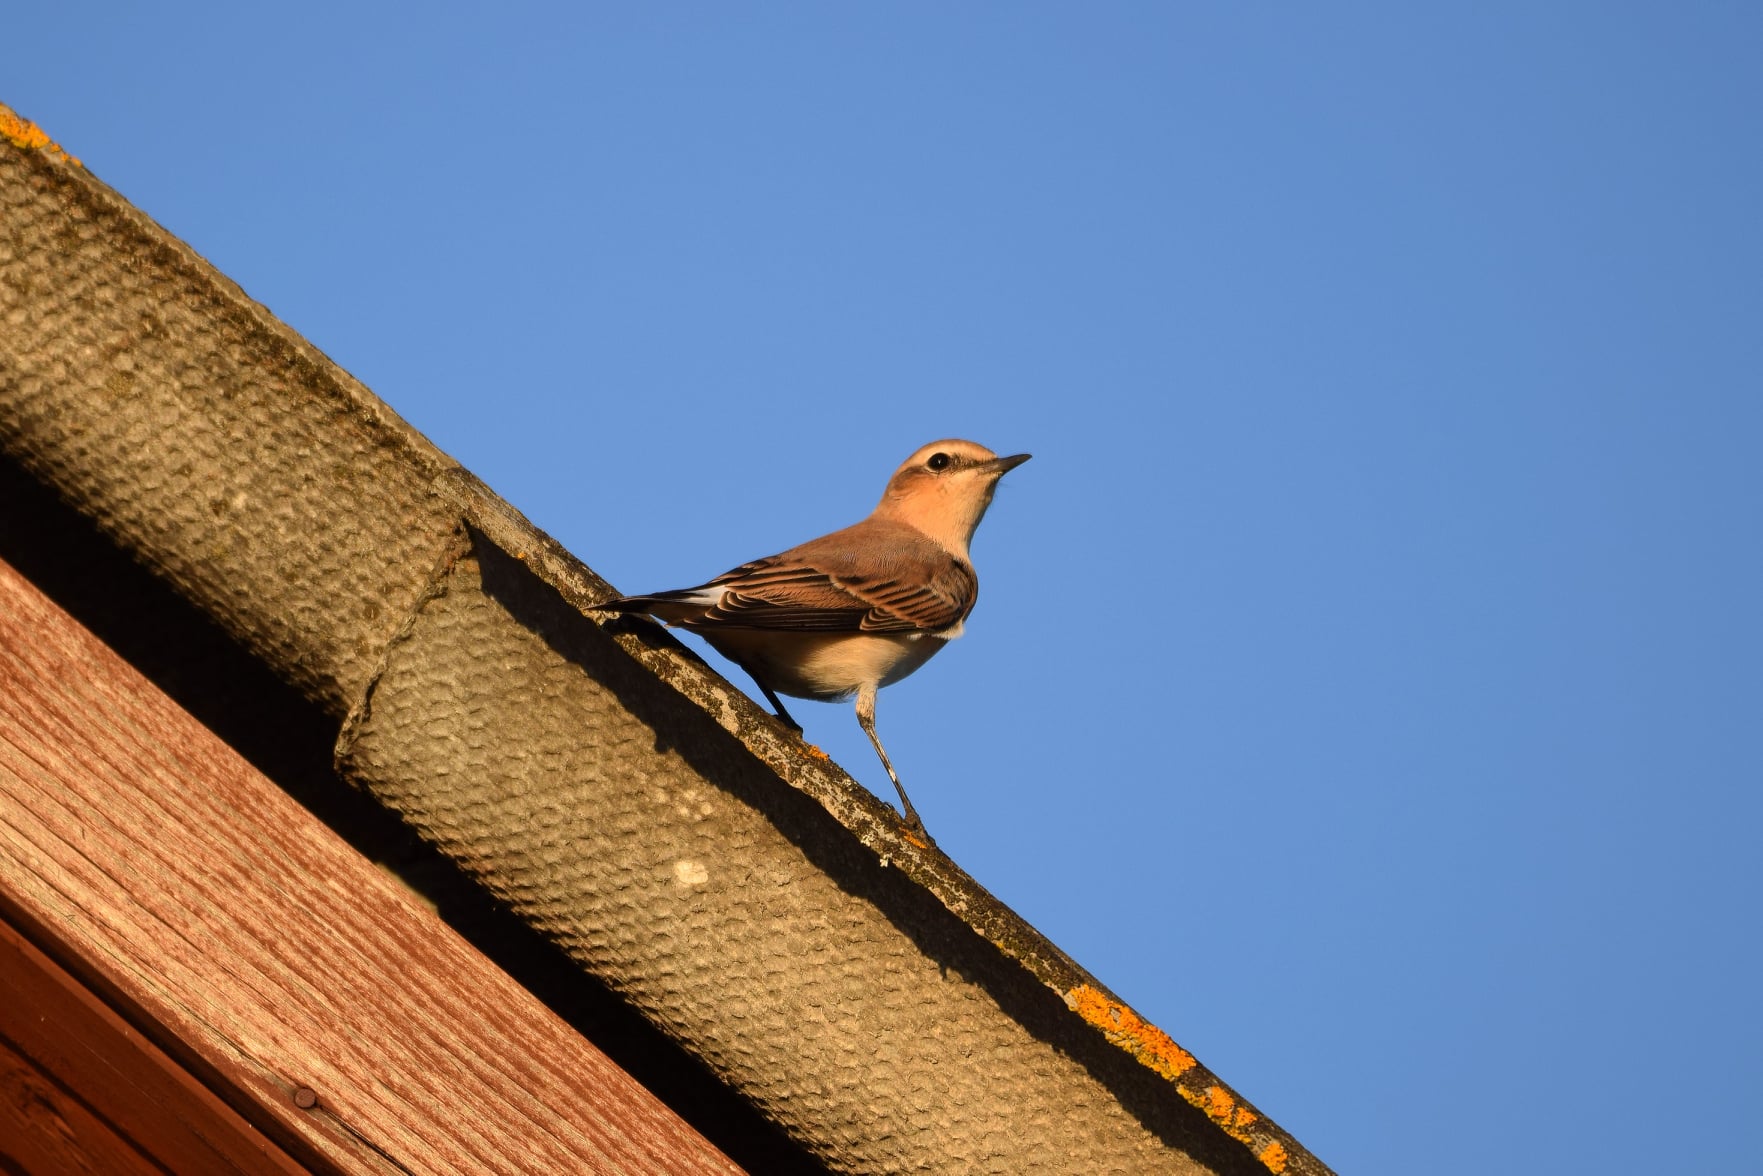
(666, 858)
(203, 434)
(753, 902)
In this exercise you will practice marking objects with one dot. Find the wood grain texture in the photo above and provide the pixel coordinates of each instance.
(81, 1050)
(45, 1128)
(269, 957)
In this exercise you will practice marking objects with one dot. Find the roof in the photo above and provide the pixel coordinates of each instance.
(762, 912)
(317, 1018)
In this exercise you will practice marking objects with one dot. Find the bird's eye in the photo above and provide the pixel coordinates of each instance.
(939, 461)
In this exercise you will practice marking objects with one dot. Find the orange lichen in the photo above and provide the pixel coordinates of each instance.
(815, 752)
(22, 132)
(1154, 1048)
(25, 134)
(1126, 1028)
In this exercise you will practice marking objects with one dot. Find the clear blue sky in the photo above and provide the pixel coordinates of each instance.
(1368, 671)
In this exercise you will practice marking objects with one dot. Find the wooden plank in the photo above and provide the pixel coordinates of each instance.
(44, 1127)
(261, 951)
(58, 1028)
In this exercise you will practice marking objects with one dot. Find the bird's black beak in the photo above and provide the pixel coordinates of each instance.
(1004, 465)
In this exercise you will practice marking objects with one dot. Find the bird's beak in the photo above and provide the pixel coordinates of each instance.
(1004, 465)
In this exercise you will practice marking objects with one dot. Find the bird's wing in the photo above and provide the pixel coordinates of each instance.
(871, 578)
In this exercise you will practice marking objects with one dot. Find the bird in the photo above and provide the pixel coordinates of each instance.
(853, 611)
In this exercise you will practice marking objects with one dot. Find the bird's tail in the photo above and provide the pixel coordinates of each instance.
(673, 607)
(625, 604)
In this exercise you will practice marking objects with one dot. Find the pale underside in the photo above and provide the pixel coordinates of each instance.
(825, 667)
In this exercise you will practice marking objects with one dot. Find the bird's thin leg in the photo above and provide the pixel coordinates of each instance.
(778, 706)
(771, 697)
(866, 720)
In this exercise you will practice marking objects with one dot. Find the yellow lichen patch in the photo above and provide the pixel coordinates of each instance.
(22, 132)
(25, 134)
(815, 753)
(1222, 1108)
(1126, 1028)
(1155, 1049)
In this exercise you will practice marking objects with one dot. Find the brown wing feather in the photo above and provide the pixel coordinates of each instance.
(910, 585)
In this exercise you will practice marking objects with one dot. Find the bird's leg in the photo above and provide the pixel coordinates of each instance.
(778, 706)
(771, 697)
(866, 720)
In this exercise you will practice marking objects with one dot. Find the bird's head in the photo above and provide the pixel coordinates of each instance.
(943, 490)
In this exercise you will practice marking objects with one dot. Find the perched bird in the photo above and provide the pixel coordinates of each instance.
(861, 608)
